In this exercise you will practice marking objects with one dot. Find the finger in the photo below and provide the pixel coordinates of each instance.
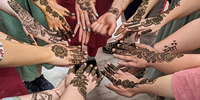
(74, 47)
(112, 87)
(68, 13)
(78, 57)
(119, 31)
(94, 10)
(104, 30)
(88, 69)
(71, 70)
(109, 76)
(93, 73)
(126, 35)
(84, 37)
(120, 72)
(87, 21)
(79, 52)
(113, 67)
(31, 39)
(95, 27)
(137, 37)
(80, 33)
(121, 52)
(75, 61)
(99, 28)
(78, 22)
(146, 31)
(83, 22)
(81, 69)
(98, 81)
(87, 37)
(112, 29)
(65, 34)
(109, 70)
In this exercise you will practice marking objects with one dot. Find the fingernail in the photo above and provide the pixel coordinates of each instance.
(78, 22)
(89, 30)
(84, 28)
(97, 15)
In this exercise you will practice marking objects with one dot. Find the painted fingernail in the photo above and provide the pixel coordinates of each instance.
(97, 15)
(78, 22)
(89, 30)
(84, 28)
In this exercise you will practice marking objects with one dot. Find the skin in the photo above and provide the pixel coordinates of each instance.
(162, 86)
(44, 54)
(180, 37)
(55, 23)
(65, 90)
(177, 12)
(50, 37)
(122, 32)
(85, 17)
(106, 24)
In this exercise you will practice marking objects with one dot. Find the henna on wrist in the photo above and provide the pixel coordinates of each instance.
(114, 11)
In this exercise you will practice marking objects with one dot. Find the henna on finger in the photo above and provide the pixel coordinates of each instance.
(109, 76)
(78, 52)
(109, 70)
(98, 81)
(88, 69)
(93, 73)
(75, 61)
(71, 70)
(121, 52)
(146, 31)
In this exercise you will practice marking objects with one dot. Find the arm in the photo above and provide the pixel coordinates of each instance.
(141, 13)
(144, 56)
(31, 27)
(184, 40)
(106, 24)
(176, 11)
(128, 85)
(55, 16)
(17, 54)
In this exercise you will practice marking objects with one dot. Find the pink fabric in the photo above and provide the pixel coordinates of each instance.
(186, 84)
(96, 40)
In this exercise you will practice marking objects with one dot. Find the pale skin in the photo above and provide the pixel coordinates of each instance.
(84, 21)
(183, 45)
(122, 31)
(162, 86)
(49, 34)
(65, 91)
(55, 23)
(177, 12)
(13, 49)
(106, 24)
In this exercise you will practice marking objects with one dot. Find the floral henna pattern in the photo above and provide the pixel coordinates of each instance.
(31, 25)
(60, 51)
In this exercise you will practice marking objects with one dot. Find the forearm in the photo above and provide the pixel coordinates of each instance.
(120, 6)
(44, 95)
(184, 40)
(180, 9)
(16, 54)
(143, 9)
(4, 6)
(186, 62)
(71, 95)
(161, 86)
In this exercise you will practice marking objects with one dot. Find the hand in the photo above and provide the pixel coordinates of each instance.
(65, 55)
(105, 25)
(86, 15)
(122, 83)
(123, 33)
(31, 27)
(55, 16)
(145, 26)
(83, 81)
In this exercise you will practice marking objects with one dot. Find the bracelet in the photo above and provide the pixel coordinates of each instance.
(11, 98)
(55, 90)
(1, 51)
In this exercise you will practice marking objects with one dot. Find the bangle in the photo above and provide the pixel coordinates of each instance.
(1, 51)
(55, 90)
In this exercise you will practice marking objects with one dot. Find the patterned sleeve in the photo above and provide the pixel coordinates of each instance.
(1, 51)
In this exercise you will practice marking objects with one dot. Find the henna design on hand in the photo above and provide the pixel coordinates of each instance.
(171, 48)
(30, 24)
(75, 61)
(152, 21)
(85, 5)
(80, 81)
(55, 14)
(114, 11)
(59, 51)
(42, 96)
(146, 54)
